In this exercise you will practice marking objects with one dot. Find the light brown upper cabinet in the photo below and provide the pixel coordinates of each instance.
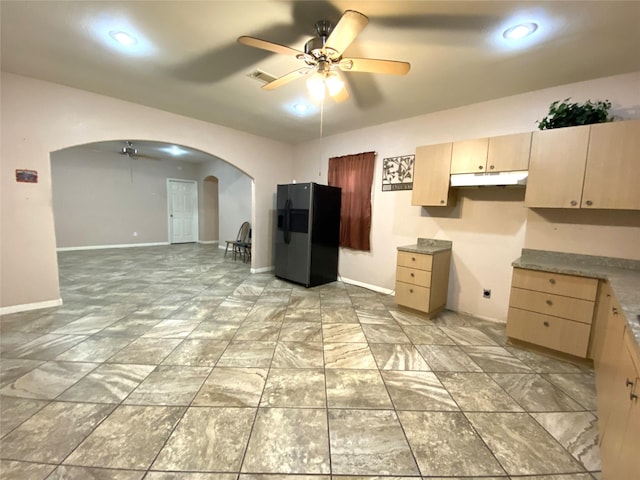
(431, 175)
(613, 166)
(591, 166)
(505, 153)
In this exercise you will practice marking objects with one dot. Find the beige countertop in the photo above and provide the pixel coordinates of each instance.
(427, 246)
(623, 275)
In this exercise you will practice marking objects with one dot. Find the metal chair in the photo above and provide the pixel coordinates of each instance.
(239, 245)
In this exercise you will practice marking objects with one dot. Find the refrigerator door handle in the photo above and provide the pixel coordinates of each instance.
(287, 221)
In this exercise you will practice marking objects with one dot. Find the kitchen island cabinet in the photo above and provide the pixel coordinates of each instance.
(422, 275)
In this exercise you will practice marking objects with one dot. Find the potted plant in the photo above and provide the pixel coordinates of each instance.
(570, 114)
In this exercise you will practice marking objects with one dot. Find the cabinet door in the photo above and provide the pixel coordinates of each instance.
(599, 327)
(431, 175)
(556, 167)
(469, 156)
(509, 153)
(613, 166)
(607, 368)
(628, 464)
(612, 442)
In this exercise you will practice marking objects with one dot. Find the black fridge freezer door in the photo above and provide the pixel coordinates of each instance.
(292, 249)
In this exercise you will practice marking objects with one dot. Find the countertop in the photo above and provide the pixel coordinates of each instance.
(428, 246)
(623, 275)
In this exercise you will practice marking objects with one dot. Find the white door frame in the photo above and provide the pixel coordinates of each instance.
(196, 231)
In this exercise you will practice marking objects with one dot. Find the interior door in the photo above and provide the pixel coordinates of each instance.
(183, 210)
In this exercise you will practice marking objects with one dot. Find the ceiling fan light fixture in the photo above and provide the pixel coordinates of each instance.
(123, 38)
(334, 84)
(316, 87)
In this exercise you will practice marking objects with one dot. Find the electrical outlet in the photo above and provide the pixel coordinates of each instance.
(486, 293)
(135, 234)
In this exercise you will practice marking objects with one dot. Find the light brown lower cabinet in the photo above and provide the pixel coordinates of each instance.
(422, 280)
(618, 389)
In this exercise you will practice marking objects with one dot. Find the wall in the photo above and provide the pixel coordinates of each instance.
(234, 196)
(41, 117)
(209, 210)
(488, 227)
(102, 198)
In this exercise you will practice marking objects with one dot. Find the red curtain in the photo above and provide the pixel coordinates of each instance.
(354, 174)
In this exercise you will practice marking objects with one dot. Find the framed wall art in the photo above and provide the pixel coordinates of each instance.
(397, 173)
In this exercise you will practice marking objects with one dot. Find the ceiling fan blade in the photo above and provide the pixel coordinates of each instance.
(349, 26)
(269, 46)
(289, 77)
(372, 65)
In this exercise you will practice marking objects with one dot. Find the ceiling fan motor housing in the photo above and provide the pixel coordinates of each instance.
(316, 46)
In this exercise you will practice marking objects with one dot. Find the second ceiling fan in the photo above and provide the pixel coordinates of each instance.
(323, 57)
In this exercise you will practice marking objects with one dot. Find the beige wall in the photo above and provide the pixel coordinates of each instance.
(488, 227)
(234, 196)
(40, 117)
(103, 198)
(209, 213)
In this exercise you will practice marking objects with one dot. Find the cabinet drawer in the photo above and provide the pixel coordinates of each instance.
(550, 304)
(412, 296)
(413, 276)
(557, 283)
(551, 332)
(415, 260)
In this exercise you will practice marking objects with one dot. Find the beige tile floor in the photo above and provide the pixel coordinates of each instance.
(176, 363)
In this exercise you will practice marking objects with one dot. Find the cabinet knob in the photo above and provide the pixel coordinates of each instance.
(545, 323)
(441, 201)
(412, 275)
(552, 281)
(614, 310)
(549, 302)
(632, 396)
(480, 167)
(628, 383)
(411, 290)
(413, 259)
(589, 202)
(492, 167)
(573, 203)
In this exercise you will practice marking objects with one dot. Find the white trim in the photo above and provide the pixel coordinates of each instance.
(121, 245)
(375, 288)
(262, 269)
(30, 306)
(208, 242)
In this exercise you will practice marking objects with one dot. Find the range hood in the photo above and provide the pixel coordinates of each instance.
(498, 179)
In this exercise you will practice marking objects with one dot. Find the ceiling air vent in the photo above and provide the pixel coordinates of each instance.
(261, 76)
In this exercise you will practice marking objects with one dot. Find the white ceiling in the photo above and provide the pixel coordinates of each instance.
(187, 59)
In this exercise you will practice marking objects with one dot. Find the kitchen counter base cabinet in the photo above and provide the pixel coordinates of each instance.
(422, 280)
(618, 389)
(552, 310)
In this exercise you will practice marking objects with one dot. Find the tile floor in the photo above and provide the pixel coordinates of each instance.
(176, 363)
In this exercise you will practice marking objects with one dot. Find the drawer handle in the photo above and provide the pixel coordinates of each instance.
(552, 281)
(412, 275)
(628, 383)
(545, 323)
(549, 302)
(632, 396)
(614, 310)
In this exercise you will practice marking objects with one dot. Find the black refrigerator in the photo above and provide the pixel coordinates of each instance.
(308, 233)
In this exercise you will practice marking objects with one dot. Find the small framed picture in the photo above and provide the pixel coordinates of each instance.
(27, 176)
(397, 173)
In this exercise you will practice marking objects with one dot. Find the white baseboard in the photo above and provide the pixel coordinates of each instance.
(102, 247)
(30, 306)
(208, 242)
(375, 288)
(262, 269)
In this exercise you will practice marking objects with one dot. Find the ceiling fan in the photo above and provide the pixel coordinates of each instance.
(323, 57)
(132, 152)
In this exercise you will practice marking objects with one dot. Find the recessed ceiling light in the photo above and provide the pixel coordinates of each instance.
(123, 38)
(520, 31)
(301, 107)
